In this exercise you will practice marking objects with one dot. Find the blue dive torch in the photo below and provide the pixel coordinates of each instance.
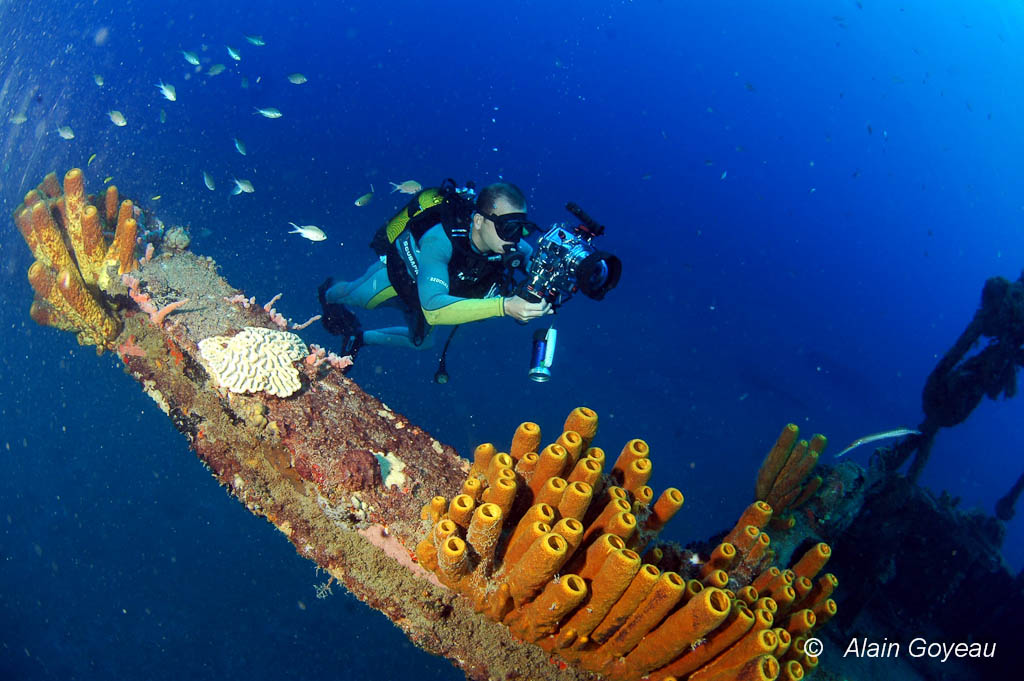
(543, 355)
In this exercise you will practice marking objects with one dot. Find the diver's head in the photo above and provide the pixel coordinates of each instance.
(500, 217)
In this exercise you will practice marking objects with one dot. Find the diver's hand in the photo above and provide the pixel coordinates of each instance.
(523, 311)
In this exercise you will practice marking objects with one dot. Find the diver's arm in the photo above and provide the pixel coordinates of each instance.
(439, 307)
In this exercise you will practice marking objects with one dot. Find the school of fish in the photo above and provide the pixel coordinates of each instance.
(239, 186)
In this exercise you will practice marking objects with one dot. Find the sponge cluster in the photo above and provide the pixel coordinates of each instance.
(255, 359)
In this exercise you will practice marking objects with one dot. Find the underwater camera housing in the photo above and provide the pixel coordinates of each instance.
(565, 261)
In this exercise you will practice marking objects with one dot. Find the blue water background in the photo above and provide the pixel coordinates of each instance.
(807, 198)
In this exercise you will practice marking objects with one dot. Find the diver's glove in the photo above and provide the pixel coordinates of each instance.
(340, 321)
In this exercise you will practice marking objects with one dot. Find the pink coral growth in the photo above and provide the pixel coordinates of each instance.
(158, 317)
(300, 327)
(270, 304)
(141, 299)
(339, 363)
(149, 254)
(317, 356)
(239, 299)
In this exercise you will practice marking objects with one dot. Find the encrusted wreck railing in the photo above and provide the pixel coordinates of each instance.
(466, 559)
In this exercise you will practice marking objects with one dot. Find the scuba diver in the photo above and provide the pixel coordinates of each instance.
(444, 259)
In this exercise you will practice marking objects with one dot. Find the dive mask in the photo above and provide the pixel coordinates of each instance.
(510, 226)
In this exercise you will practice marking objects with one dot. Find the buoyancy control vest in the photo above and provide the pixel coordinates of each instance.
(470, 274)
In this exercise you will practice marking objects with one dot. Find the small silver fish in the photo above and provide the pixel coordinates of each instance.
(215, 70)
(233, 53)
(269, 112)
(885, 435)
(167, 91)
(66, 132)
(191, 57)
(242, 186)
(297, 79)
(117, 118)
(239, 146)
(311, 232)
(98, 79)
(407, 187)
(365, 198)
(18, 118)
(256, 40)
(208, 181)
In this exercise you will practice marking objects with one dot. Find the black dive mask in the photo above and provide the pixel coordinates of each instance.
(510, 226)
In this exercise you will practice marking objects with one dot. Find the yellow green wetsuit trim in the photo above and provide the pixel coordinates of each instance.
(438, 305)
(384, 296)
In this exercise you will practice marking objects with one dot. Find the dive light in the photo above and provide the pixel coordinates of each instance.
(543, 354)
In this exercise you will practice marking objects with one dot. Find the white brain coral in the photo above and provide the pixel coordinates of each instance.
(255, 359)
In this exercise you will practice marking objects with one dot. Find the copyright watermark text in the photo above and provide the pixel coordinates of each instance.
(916, 648)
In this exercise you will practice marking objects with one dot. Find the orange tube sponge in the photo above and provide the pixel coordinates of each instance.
(551, 492)
(747, 594)
(667, 505)
(484, 530)
(664, 594)
(539, 564)
(522, 539)
(460, 510)
(802, 586)
(636, 475)
(642, 497)
(821, 590)
(551, 464)
(605, 518)
(800, 622)
(573, 444)
(498, 462)
(622, 525)
(627, 606)
(632, 450)
(764, 581)
(583, 421)
(785, 640)
(110, 204)
(575, 500)
(824, 611)
(541, 617)
(571, 531)
(433, 510)
(472, 488)
(716, 578)
(452, 561)
(753, 645)
(482, 456)
(761, 668)
(811, 563)
(610, 582)
(788, 485)
(526, 439)
(681, 629)
(775, 460)
(757, 514)
(739, 622)
(503, 493)
(586, 470)
(721, 559)
(791, 671)
(587, 564)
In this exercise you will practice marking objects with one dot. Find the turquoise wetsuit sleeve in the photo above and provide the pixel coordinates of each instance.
(438, 305)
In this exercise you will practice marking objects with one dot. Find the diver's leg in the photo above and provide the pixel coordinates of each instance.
(360, 292)
(396, 337)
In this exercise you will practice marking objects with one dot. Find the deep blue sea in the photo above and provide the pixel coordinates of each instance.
(807, 198)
